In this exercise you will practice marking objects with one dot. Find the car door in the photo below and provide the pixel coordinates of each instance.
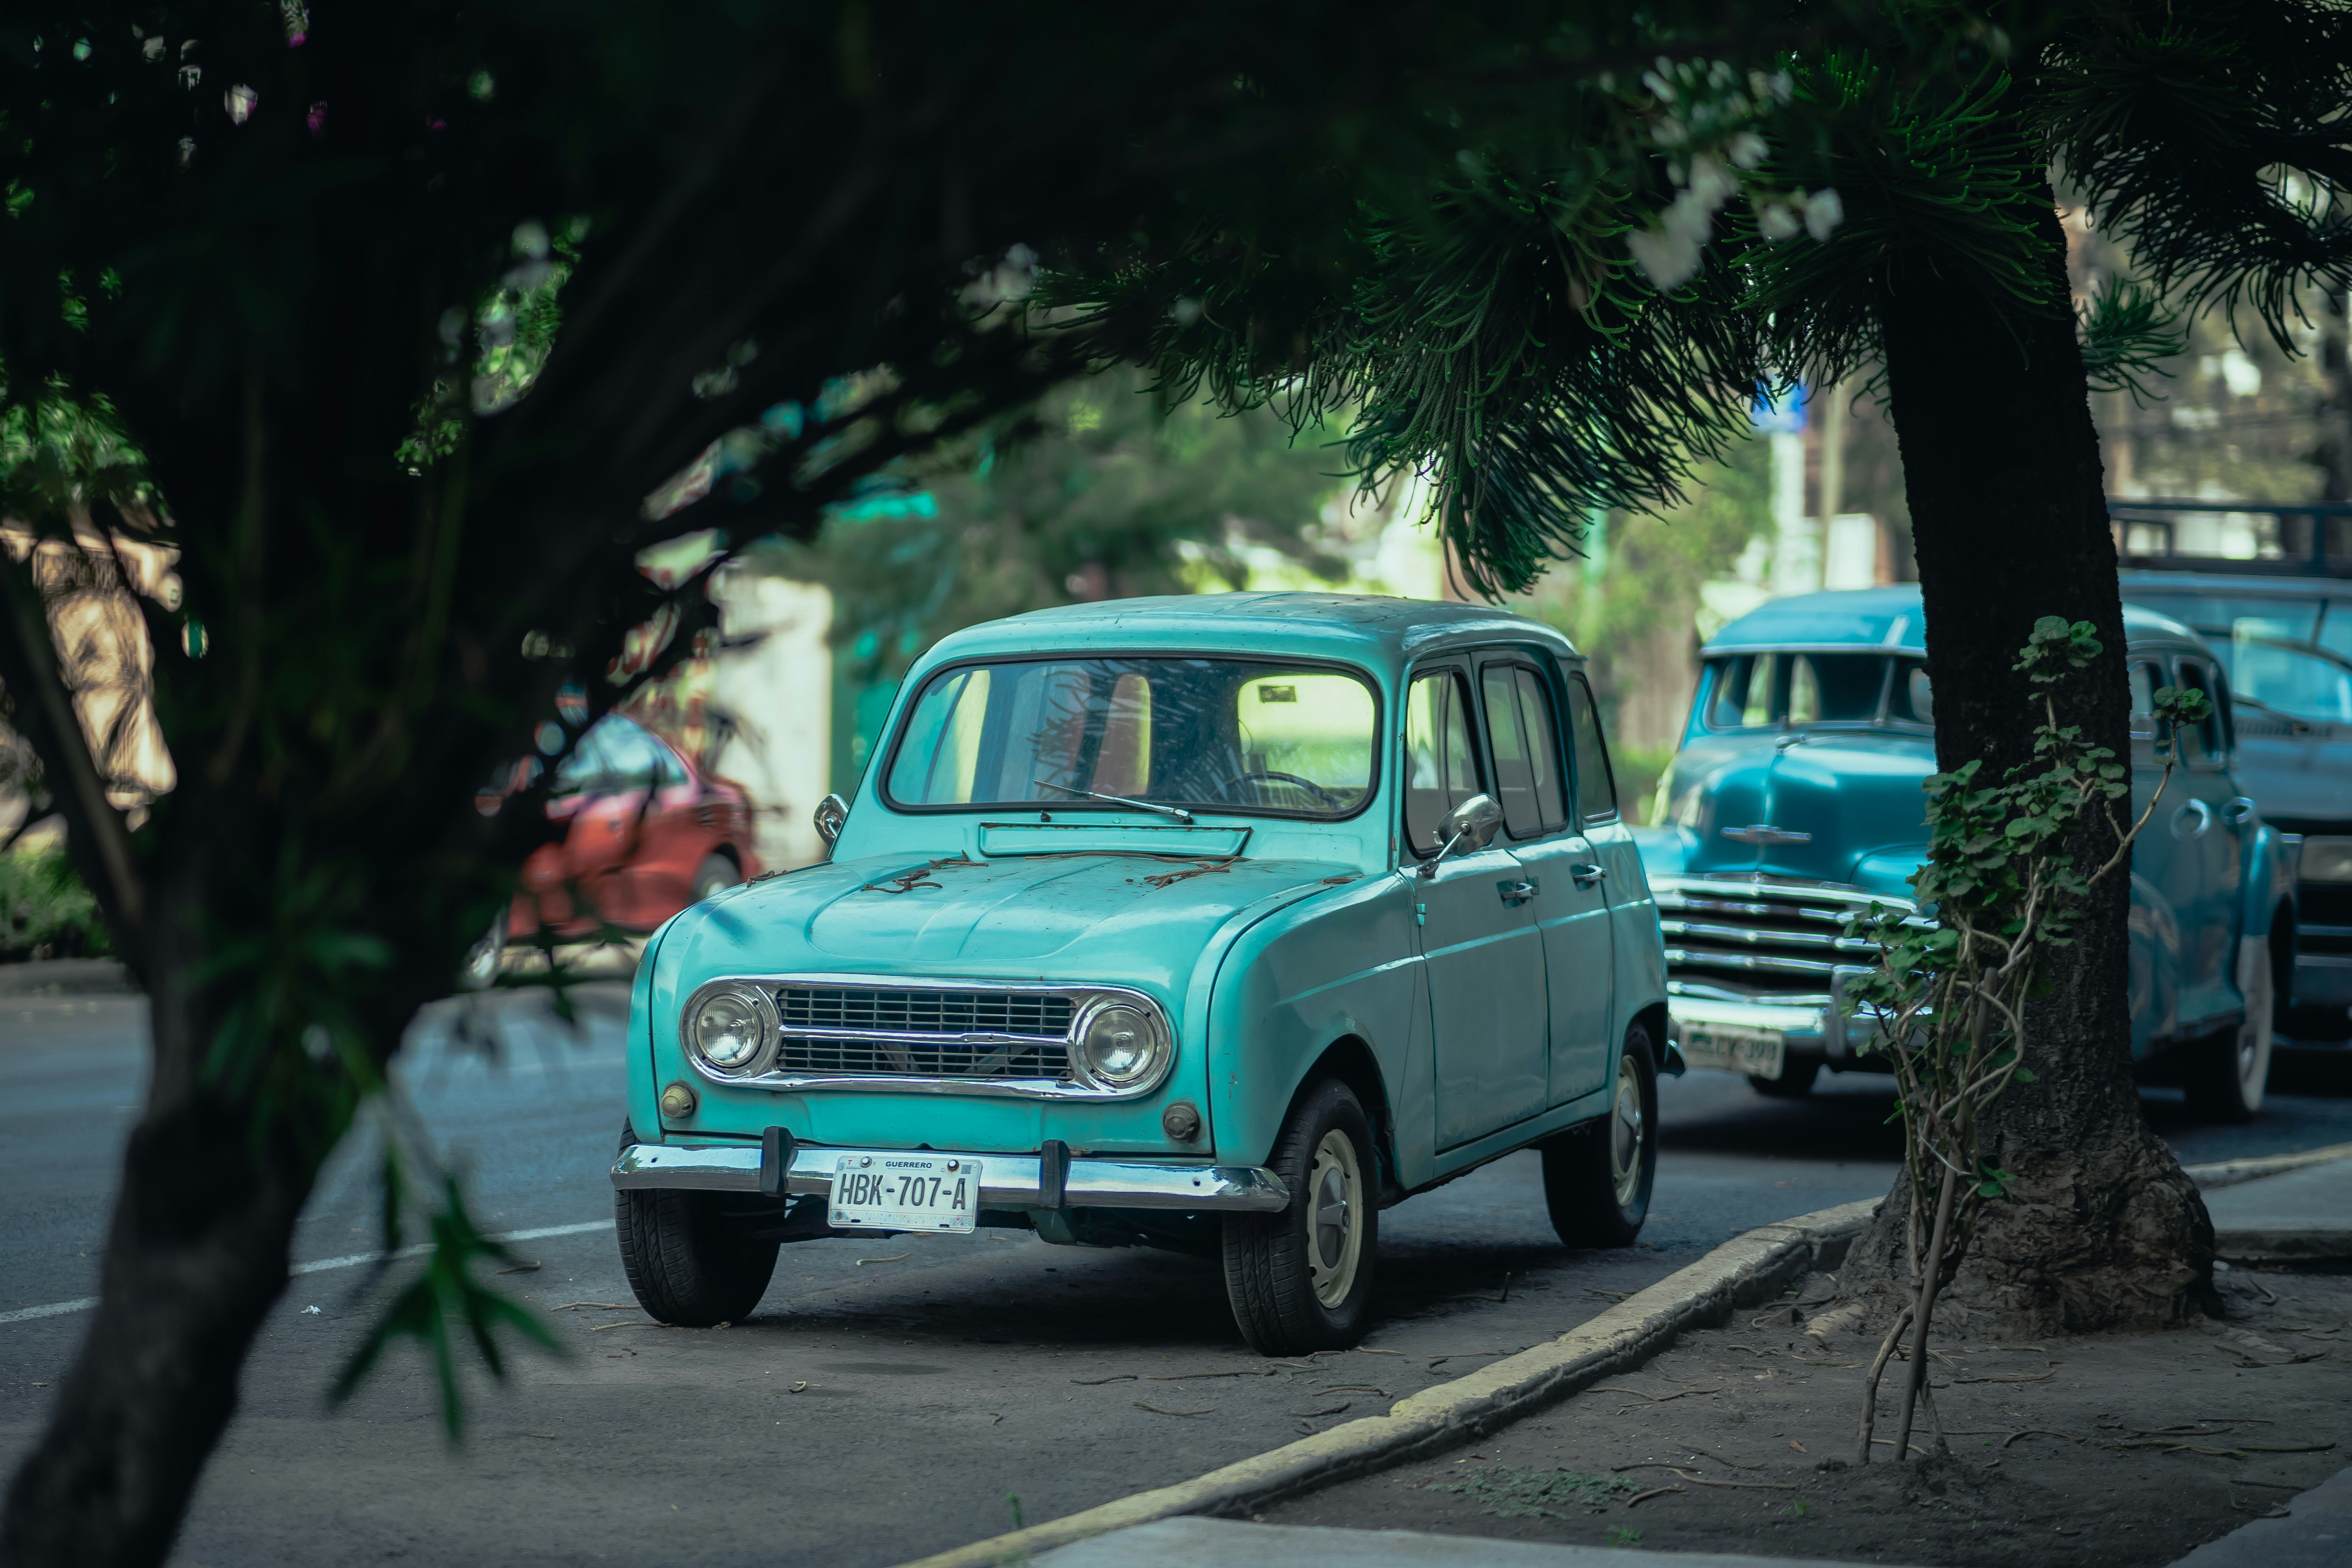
(1568, 887)
(1478, 929)
(2202, 816)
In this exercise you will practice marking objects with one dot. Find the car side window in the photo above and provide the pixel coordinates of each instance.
(1441, 771)
(2202, 744)
(1506, 736)
(1596, 788)
(1543, 748)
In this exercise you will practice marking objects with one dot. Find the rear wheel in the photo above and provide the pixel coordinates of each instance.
(2227, 1075)
(1302, 1280)
(716, 871)
(1596, 1177)
(690, 1259)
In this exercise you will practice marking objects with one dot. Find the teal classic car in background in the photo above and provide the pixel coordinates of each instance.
(1795, 801)
(1215, 924)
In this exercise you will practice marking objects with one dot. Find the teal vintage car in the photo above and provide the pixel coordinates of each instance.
(1794, 801)
(1210, 923)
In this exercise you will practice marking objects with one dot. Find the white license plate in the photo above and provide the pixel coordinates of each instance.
(1763, 1052)
(904, 1192)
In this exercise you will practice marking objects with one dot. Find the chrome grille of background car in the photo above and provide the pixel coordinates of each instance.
(1745, 939)
(830, 1029)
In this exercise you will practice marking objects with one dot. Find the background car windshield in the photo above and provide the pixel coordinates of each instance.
(1753, 690)
(1198, 732)
(2292, 656)
(617, 754)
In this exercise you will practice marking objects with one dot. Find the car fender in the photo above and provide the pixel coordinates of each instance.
(1284, 991)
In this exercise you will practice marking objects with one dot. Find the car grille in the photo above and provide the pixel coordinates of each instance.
(887, 1032)
(2326, 920)
(1751, 940)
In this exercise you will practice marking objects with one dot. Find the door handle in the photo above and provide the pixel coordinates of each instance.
(2191, 820)
(1584, 876)
(1518, 892)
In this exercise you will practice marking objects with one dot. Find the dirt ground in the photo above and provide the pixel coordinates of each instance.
(2104, 1451)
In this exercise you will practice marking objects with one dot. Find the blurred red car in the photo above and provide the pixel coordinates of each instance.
(647, 832)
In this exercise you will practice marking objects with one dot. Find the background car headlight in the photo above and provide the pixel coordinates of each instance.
(2327, 859)
(1121, 1046)
(729, 1029)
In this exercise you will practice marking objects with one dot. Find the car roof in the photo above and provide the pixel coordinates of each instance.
(1364, 628)
(1889, 617)
(2237, 584)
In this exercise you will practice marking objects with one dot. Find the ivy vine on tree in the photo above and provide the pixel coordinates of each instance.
(2003, 887)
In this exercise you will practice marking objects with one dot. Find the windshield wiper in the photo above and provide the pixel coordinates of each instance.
(1178, 812)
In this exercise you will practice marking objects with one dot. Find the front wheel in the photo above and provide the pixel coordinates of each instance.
(1596, 1177)
(1301, 1280)
(689, 1260)
(2230, 1072)
(1795, 1082)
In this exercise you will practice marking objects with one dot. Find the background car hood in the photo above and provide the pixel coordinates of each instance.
(2304, 779)
(1048, 916)
(1854, 795)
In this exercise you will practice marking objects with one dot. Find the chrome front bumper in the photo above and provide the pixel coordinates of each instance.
(1006, 1180)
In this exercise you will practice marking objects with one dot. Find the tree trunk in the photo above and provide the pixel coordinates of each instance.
(2100, 1228)
(195, 1257)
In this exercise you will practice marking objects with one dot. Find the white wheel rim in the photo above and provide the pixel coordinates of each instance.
(2254, 1029)
(1335, 1219)
(1627, 1132)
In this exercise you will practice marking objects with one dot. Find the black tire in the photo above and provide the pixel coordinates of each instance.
(716, 872)
(1596, 1177)
(1297, 1286)
(688, 1259)
(2226, 1075)
(1795, 1082)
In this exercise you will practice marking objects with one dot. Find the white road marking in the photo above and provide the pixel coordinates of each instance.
(319, 1266)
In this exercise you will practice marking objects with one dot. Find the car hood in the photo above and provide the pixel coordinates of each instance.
(1815, 808)
(2305, 779)
(1140, 918)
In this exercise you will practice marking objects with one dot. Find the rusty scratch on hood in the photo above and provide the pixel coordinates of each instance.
(919, 877)
(1193, 868)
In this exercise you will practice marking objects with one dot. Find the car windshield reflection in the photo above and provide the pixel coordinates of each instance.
(1108, 734)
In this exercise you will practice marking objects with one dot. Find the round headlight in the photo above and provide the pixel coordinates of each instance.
(728, 1030)
(1121, 1047)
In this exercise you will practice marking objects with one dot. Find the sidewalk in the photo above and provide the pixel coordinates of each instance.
(2301, 1214)
(2298, 1216)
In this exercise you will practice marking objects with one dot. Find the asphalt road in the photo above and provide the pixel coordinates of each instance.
(891, 1397)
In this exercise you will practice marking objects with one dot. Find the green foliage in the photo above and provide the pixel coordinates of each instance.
(444, 1292)
(1508, 1493)
(2126, 333)
(45, 911)
(1104, 492)
(2210, 139)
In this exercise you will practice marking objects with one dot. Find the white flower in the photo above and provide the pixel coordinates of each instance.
(1748, 150)
(1823, 213)
(1777, 221)
(240, 101)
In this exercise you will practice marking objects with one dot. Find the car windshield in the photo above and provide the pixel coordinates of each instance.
(617, 754)
(1757, 690)
(1214, 734)
(2292, 656)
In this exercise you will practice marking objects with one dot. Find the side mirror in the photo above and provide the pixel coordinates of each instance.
(830, 813)
(1469, 826)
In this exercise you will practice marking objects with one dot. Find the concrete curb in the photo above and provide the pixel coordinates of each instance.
(66, 977)
(1749, 1269)
(2230, 1173)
